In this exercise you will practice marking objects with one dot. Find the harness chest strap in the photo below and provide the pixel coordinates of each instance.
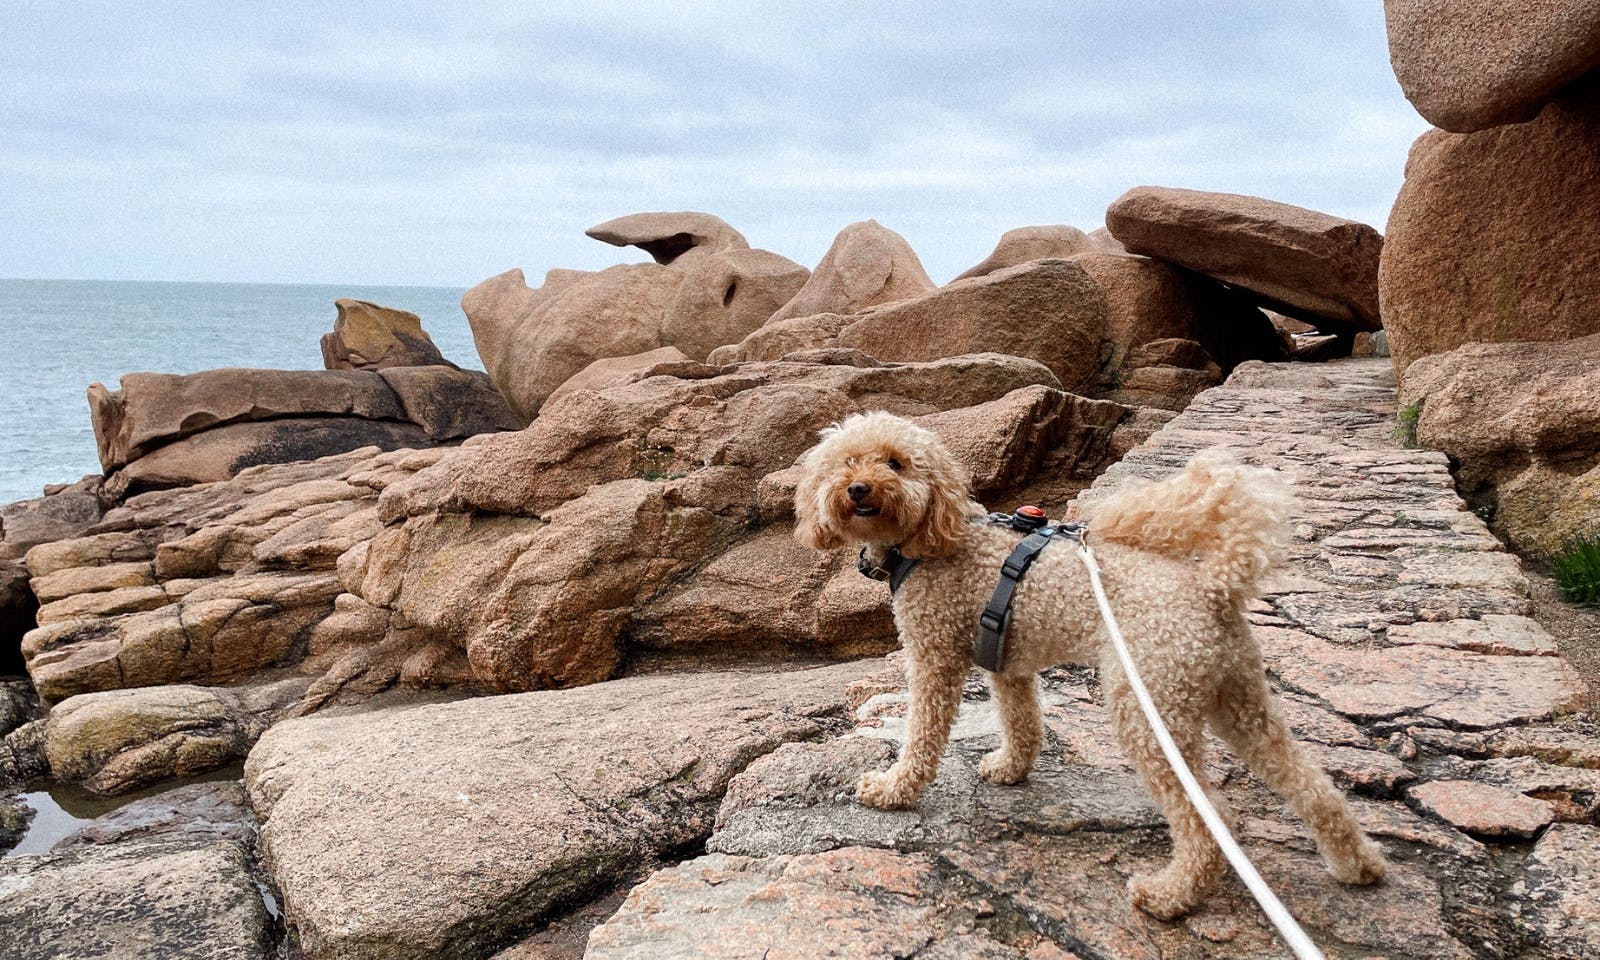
(989, 649)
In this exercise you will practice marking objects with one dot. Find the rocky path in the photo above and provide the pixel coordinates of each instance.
(1399, 637)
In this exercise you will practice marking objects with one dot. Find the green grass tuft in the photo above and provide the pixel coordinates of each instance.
(1577, 570)
(1406, 430)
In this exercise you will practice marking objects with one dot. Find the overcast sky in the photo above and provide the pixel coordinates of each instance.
(441, 143)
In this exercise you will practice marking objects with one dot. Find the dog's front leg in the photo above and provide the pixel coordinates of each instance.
(935, 696)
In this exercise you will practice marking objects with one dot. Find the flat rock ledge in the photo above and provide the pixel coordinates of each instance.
(451, 829)
(1398, 635)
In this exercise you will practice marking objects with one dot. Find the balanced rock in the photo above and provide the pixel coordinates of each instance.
(1046, 310)
(1320, 268)
(492, 813)
(369, 337)
(668, 236)
(1523, 422)
(1493, 237)
(1032, 243)
(532, 340)
(867, 264)
(1468, 65)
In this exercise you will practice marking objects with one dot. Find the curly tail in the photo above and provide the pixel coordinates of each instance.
(1231, 518)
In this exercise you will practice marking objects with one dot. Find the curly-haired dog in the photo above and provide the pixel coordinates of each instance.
(1180, 558)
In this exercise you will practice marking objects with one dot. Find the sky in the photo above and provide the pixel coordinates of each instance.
(443, 143)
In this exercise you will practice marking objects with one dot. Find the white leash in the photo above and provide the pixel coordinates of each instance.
(1291, 932)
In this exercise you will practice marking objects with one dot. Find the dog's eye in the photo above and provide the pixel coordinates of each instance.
(894, 464)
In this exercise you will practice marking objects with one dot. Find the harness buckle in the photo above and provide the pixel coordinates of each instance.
(871, 570)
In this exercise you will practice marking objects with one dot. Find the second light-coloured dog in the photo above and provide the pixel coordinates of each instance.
(1180, 560)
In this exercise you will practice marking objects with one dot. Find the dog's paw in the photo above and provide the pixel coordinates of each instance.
(885, 791)
(1364, 867)
(1001, 768)
(1158, 896)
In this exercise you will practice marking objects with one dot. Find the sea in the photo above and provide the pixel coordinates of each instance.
(59, 336)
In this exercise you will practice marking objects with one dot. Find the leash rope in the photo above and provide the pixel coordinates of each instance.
(1291, 931)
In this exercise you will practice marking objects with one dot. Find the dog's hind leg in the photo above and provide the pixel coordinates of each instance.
(1021, 729)
(1197, 861)
(1245, 716)
(936, 683)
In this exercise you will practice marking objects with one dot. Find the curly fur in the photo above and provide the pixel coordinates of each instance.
(1180, 558)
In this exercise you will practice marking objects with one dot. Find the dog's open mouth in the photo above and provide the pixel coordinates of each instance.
(866, 511)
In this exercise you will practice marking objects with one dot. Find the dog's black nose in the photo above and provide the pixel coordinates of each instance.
(858, 491)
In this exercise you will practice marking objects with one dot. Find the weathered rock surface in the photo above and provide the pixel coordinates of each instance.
(1032, 243)
(369, 337)
(1522, 420)
(610, 371)
(497, 553)
(1320, 268)
(1471, 64)
(1493, 238)
(137, 899)
(62, 514)
(1483, 810)
(1045, 310)
(668, 236)
(116, 740)
(206, 584)
(867, 265)
(1382, 545)
(1559, 913)
(533, 340)
(440, 830)
(164, 430)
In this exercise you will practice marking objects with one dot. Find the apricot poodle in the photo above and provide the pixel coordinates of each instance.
(1180, 559)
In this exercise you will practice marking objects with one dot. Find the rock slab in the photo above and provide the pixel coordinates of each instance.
(1320, 268)
(443, 830)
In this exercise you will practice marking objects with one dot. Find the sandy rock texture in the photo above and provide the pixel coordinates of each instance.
(206, 584)
(706, 288)
(1310, 265)
(1522, 421)
(443, 830)
(1467, 65)
(1493, 237)
(139, 899)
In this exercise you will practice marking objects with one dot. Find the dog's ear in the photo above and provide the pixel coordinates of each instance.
(812, 526)
(948, 509)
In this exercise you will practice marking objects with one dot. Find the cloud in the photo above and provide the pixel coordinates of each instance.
(414, 143)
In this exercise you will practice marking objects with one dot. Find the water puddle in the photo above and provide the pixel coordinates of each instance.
(62, 809)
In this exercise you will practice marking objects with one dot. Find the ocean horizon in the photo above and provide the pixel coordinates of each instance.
(59, 336)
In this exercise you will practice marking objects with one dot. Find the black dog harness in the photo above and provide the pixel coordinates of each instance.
(988, 650)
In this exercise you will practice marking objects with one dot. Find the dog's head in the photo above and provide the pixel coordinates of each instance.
(880, 479)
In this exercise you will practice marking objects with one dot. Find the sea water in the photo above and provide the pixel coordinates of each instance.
(58, 336)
